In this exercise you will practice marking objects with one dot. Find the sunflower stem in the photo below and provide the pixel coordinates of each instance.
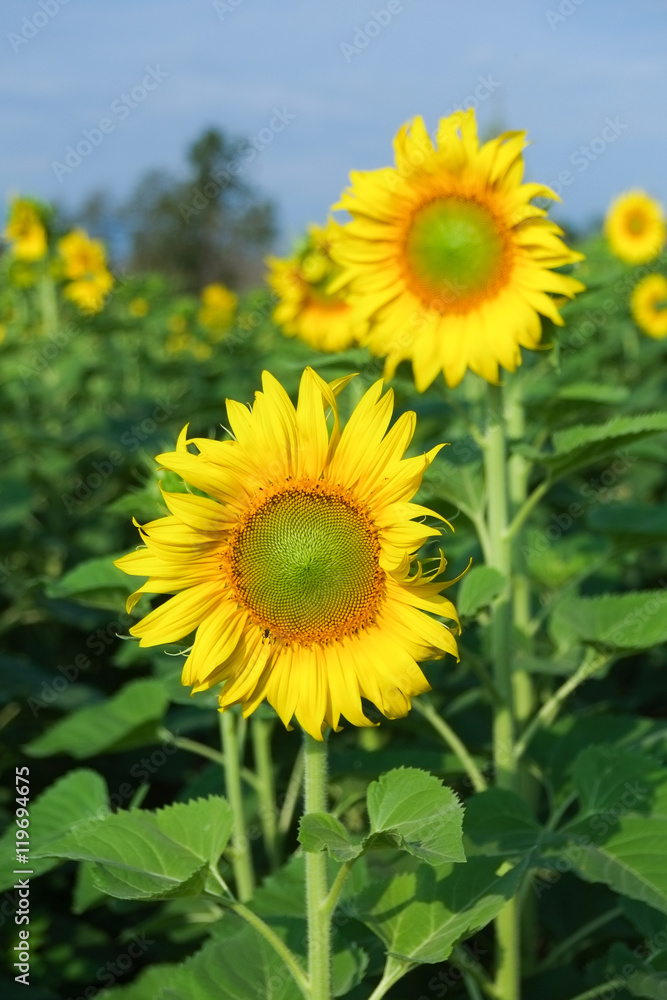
(241, 857)
(317, 890)
(500, 558)
(48, 304)
(261, 730)
(272, 938)
(593, 661)
(519, 469)
(426, 709)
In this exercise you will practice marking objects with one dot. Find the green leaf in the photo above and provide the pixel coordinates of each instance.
(418, 813)
(240, 967)
(648, 921)
(619, 836)
(321, 831)
(95, 582)
(151, 855)
(498, 822)
(130, 719)
(420, 916)
(75, 799)
(609, 779)
(594, 392)
(17, 500)
(623, 969)
(586, 444)
(478, 588)
(149, 983)
(636, 620)
(629, 520)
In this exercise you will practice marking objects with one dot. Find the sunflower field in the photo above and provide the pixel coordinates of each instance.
(334, 610)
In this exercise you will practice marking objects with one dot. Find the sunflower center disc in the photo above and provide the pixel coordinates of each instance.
(454, 248)
(306, 564)
(636, 223)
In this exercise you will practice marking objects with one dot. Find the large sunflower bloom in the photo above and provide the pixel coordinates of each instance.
(297, 572)
(306, 309)
(25, 231)
(446, 255)
(635, 227)
(648, 305)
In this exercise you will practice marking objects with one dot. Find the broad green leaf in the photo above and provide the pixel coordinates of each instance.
(588, 443)
(77, 798)
(622, 969)
(147, 986)
(629, 520)
(498, 822)
(96, 582)
(151, 855)
(478, 588)
(421, 915)
(636, 620)
(321, 831)
(129, 719)
(610, 780)
(557, 748)
(619, 837)
(236, 968)
(416, 811)
(648, 921)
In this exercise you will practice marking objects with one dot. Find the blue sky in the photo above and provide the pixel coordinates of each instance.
(318, 92)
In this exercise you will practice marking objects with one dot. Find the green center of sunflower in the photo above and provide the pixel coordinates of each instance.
(306, 565)
(636, 223)
(454, 249)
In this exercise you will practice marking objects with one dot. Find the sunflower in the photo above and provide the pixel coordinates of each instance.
(218, 305)
(138, 307)
(648, 305)
(297, 571)
(446, 255)
(84, 262)
(635, 227)
(25, 231)
(306, 309)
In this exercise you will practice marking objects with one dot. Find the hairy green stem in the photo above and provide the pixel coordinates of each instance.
(261, 730)
(426, 709)
(317, 889)
(291, 795)
(269, 935)
(194, 746)
(390, 976)
(593, 662)
(241, 857)
(495, 465)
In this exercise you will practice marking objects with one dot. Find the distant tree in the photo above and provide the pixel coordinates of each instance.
(211, 226)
